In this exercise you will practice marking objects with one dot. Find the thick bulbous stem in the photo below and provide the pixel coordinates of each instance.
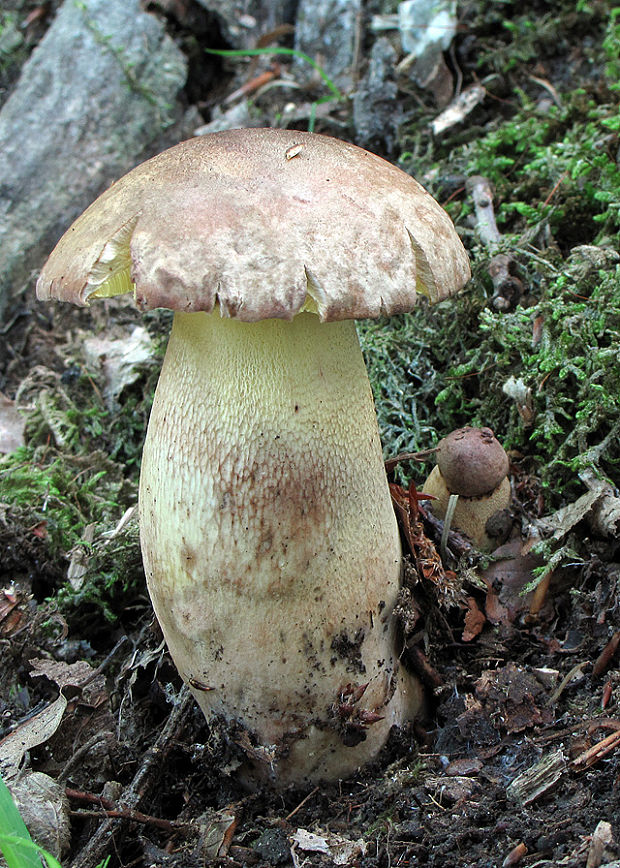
(270, 545)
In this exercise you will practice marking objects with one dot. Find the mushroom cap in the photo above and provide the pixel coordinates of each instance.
(256, 220)
(472, 461)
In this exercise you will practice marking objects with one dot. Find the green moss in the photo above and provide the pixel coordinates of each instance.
(435, 370)
(556, 176)
(113, 582)
(63, 491)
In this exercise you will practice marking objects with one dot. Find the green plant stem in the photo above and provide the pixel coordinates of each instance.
(276, 49)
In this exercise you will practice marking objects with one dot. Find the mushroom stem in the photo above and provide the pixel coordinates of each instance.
(270, 545)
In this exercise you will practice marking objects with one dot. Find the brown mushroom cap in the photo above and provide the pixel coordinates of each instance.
(472, 461)
(255, 220)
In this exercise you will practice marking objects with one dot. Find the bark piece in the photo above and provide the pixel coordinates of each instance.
(537, 780)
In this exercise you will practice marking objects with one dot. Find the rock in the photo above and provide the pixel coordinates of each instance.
(91, 102)
(243, 22)
(326, 31)
(376, 112)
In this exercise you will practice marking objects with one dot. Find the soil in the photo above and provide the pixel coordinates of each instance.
(517, 761)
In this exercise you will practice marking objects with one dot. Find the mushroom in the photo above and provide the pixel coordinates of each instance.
(270, 546)
(470, 482)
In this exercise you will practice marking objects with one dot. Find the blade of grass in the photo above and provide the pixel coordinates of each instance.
(276, 49)
(27, 850)
(15, 841)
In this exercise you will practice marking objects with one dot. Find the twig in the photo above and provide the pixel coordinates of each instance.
(109, 809)
(540, 593)
(508, 289)
(390, 463)
(598, 751)
(254, 84)
(457, 543)
(96, 672)
(479, 189)
(98, 845)
(302, 803)
(85, 750)
(603, 661)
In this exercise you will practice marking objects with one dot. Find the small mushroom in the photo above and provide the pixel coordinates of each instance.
(471, 476)
(271, 549)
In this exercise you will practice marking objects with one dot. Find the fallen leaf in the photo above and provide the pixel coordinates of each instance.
(62, 674)
(510, 572)
(120, 360)
(464, 767)
(44, 808)
(39, 530)
(474, 621)
(213, 826)
(342, 851)
(513, 697)
(32, 732)
(601, 840)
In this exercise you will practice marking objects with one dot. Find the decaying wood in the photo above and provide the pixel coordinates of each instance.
(537, 780)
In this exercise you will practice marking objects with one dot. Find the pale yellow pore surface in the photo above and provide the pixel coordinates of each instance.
(270, 544)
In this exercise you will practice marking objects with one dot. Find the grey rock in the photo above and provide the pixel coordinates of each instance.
(243, 22)
(326, 31)
(376, 113)
(91, 102)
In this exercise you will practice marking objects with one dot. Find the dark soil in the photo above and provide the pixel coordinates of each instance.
(515, 682)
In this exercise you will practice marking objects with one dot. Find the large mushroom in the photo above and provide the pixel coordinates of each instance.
(271, 549)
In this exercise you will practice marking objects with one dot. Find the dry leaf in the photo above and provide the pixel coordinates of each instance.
(474, 621)
(32, 732)
(62, 674)
(341, 851)
(44, 808)
(120, 360)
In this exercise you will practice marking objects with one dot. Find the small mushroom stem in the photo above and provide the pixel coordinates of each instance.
(271, 548)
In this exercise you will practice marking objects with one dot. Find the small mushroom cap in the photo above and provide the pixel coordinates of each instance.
(472, 461)
(257, 220)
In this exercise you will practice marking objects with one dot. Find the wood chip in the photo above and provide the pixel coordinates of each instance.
(537, 780)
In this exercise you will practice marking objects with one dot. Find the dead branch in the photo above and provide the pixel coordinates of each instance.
(502, 267)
